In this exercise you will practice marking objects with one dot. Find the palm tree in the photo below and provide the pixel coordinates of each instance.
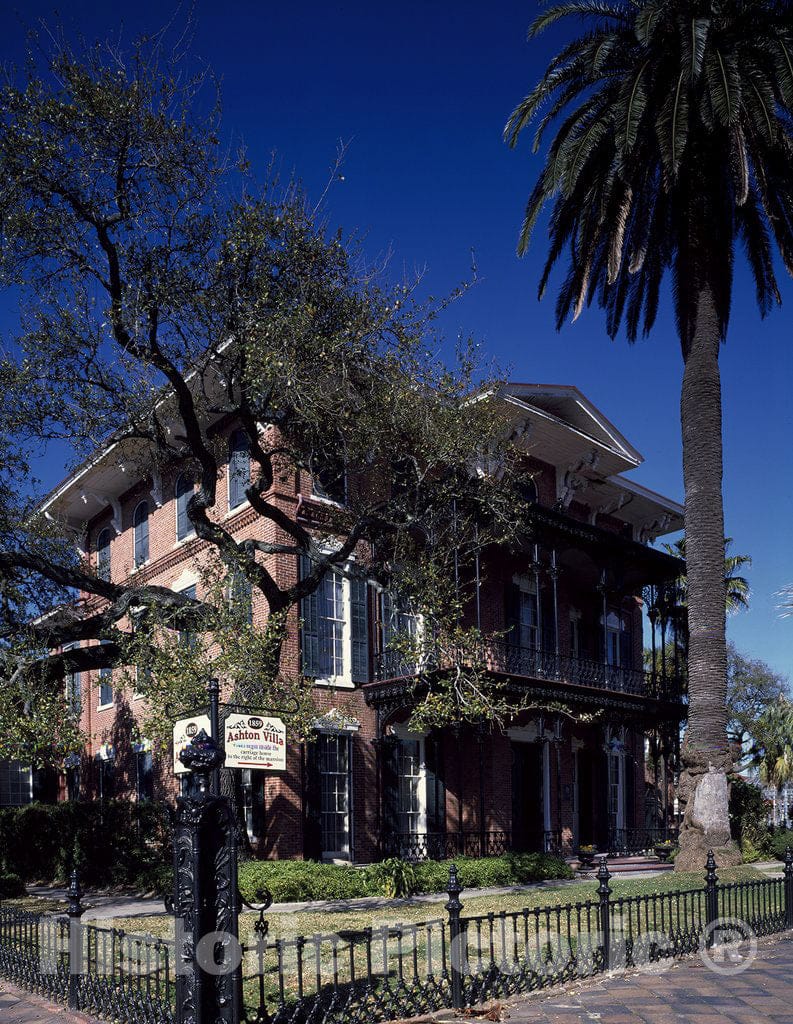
(671, 144)
(736, 587)
(772, 750)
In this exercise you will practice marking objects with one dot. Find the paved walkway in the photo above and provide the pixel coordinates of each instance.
(18, 1007)
(686, 992)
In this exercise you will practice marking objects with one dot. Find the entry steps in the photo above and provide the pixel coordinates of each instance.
(625, 865)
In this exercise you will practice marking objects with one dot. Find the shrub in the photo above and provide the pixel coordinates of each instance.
(294, 881)
(119, 843)
(391, 878)
(11, 886)
(748, 817)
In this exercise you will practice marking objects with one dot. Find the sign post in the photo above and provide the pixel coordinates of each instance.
(184, 731)
(253, 741)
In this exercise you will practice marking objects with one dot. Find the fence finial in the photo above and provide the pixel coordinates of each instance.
(603, 877)
(711, 878)
(75, 894)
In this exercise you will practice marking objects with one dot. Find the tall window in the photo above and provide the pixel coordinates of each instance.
(183, 489)
(74, 688)
(140, 529)
(522, 617)
(239, 468)
(396, 620)
(410, 786)
(335, 628)
(334, 771)
(103, 554)
(105, 686)
(241, 596)
(107, 778)
(619, 653)
(144, 775)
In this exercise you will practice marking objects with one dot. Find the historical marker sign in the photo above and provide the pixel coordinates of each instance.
(252, 741)
(183, 733)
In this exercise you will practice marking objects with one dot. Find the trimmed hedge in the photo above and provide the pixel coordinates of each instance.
(295, 881)
(120, 844)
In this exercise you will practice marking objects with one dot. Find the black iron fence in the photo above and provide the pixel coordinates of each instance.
(104, 971)
(392, 971)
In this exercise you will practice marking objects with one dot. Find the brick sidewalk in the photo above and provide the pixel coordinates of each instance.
(20, 1007)
(686, 992)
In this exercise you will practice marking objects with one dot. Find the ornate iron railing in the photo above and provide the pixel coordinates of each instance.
(643, 839)
(418, 846)
(534, 663)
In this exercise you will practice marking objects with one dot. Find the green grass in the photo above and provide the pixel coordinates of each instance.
(549, 894)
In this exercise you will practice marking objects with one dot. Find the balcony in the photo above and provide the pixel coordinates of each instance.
(534, 664)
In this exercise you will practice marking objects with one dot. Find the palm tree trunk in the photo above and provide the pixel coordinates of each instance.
(706, 753)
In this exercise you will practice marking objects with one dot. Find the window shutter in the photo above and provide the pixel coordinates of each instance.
(312, 802)
(239, 468)
(359, 601)
(310, 628)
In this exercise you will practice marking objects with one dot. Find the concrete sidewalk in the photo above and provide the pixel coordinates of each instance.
(20, 1007)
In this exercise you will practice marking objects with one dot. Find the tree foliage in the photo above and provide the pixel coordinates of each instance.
(165, 294)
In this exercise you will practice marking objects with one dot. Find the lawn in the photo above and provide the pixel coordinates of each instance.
(549, 894)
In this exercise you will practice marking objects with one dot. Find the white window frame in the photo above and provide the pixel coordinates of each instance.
(344, 734)
(406, 735)
(344, 680)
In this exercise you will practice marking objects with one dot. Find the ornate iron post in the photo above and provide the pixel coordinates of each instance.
(206, 900)
(711, 896)
(456, 952)
(604, 911)
(788, 888)
(74, 912)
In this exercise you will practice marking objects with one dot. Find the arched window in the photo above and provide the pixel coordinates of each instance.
(184, 490)
(140, 529)
(103, 554)
(239, 468)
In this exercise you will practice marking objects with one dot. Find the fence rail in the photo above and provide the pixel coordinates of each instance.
(392, 971)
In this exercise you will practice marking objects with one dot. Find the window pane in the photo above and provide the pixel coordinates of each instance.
(239, 468)
(184, 491)
(334, 793)
(103, 555)
(141, 533)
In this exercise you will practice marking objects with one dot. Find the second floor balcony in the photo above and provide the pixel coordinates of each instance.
(536, 665)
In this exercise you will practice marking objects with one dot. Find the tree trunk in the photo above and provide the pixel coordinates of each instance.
(706, 753)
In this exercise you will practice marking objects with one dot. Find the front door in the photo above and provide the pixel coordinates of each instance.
(584, 797)
(527, 790)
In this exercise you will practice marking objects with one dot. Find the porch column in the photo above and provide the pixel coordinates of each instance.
(604, 612)
(554, 574)
(480, 736)
(536, 570)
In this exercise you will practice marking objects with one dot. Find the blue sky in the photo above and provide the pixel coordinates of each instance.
(421, 91)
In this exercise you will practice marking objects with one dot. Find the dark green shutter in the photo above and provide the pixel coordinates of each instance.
(512, 614)
(359, 602)
(312, 802)
(310, 626)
